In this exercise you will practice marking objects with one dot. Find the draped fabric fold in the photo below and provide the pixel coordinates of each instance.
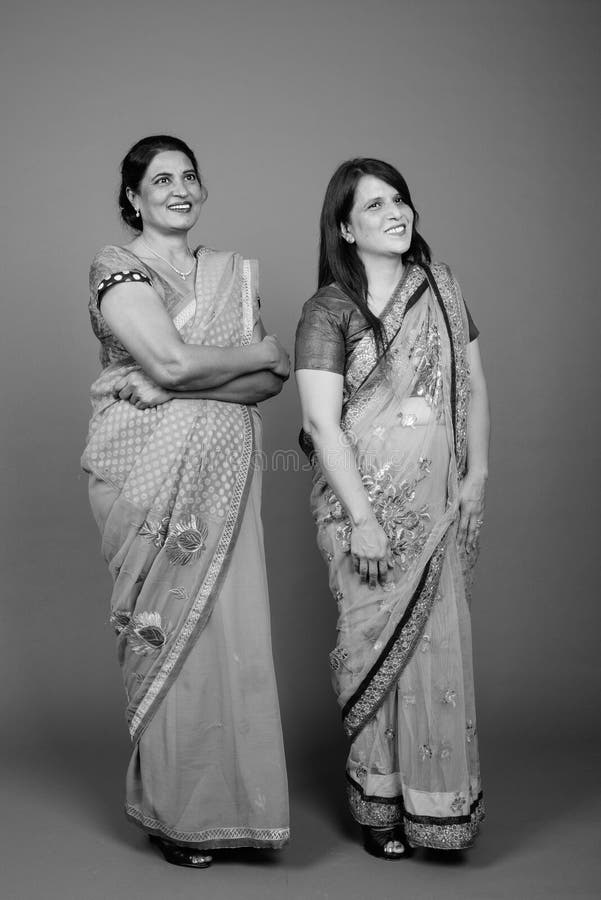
(402, 665)
(169, 489)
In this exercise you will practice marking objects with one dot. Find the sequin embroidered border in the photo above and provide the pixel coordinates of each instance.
(142, 713)
(371, 693)
(379, 812)
(456, 833)
(247, 306)
(449, 833)
(242, 835)
(457, 323)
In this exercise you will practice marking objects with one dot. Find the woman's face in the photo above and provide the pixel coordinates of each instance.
(169, 196)
(380, 223)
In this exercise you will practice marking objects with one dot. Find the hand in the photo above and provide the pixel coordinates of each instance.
(141, 391)
(370, 550)
(471, 510)
(277, 357)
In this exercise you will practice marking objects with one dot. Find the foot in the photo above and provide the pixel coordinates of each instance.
(182, 856)
(386, 843)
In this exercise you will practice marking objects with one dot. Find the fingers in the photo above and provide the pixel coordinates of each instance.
(473, 532)
(384, 572)
(462, 527)
(363, 569)
(372, 573)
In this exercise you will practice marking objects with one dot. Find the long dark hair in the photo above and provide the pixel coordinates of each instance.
(134, 165)
(338, 260)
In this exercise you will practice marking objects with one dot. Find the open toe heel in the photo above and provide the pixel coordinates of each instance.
(182, 856)
(386, 843)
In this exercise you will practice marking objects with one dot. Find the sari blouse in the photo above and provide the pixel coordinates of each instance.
(331, 326)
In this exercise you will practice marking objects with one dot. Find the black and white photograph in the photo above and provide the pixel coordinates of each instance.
(301, 480)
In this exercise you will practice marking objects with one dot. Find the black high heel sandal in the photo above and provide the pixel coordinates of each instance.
(375, 841)
(181, 856)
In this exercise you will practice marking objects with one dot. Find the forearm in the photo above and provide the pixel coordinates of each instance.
(252, 388)
(206, 368)
(339, 465)
(478, 431)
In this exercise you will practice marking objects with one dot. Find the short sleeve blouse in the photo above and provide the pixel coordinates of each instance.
(111, 266)
(329, 328)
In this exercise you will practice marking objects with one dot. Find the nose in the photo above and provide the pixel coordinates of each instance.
(180, 189)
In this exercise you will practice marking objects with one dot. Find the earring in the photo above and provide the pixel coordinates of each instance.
(349, 238)
(137, 214)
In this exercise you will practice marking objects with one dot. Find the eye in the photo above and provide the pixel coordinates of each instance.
(375, 204)
(398, 199)
(162, 180)
(190, 176)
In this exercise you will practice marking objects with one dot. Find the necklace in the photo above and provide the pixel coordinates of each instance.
(182, 275)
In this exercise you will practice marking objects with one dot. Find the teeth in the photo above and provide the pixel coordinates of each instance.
(180, 206)
(398, 229)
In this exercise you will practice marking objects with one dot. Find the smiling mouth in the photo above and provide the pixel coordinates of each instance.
(180, 207)
(397, 229)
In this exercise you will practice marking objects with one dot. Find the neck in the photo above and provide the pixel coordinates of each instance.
(173, 247)
(383, 275)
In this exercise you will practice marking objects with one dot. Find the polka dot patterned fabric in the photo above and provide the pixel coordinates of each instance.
(180, 458)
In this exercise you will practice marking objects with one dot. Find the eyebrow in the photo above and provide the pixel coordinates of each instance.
(373, 199)
(169, 174)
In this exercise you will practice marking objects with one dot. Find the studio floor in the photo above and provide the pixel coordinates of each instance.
(65, 837)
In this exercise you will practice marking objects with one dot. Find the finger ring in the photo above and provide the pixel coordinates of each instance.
(479, 522)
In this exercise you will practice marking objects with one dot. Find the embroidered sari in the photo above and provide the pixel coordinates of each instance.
(402, 668)
(176, 493)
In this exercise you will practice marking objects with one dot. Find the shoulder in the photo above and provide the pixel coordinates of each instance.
(442, 271)
(113, 258)
(329, 301)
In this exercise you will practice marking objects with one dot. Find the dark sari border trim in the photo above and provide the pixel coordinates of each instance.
(213, 580)
(378, 812)
(212, 838)
(370, 694)
(445, 833)
(451, 833)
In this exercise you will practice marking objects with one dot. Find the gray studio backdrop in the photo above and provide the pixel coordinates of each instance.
(488, 108)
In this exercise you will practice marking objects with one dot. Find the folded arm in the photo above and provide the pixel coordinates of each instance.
(254, 387)
(138, 319)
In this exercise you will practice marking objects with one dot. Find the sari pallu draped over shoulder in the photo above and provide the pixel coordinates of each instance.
(402, 666)
(181, 472)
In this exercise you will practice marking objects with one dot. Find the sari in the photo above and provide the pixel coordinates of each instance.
(175, 491)
(402, 667)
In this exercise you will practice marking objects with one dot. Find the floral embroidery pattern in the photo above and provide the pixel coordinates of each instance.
(425, 751)
(338, 658)
(361, 772)
(424, 832)
(180, 594)
(458, 803)
(389, 733)
(450, 697)
(426, 642)
(155, 530)
(361, 707)
(470, 731)
(405, 527)
(146, 633)
(186, 541)
(120, 620)
(425, 356)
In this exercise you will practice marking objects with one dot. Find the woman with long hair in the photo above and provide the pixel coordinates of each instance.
(395, 420)
(175, 490)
